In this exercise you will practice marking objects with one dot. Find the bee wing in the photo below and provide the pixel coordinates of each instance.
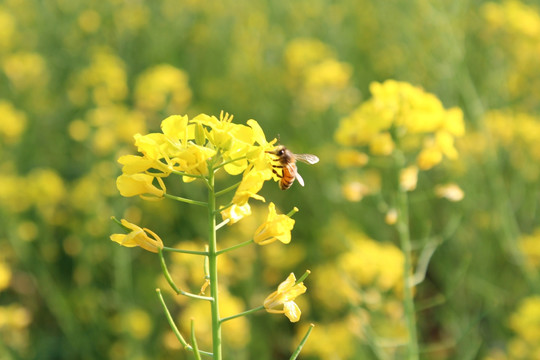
(307, 158)
(299, 178)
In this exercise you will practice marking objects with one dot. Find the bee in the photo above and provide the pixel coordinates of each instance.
(287, 164)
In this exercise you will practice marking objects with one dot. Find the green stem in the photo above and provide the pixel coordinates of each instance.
(405, 240)
(301, 345)
(171, 321)
(226, 190)
(228, 162)
(188, 201)
(242, 313)
(173, 285)
(192, 252)
(194, 341)
(234, 247)
(212, 266)
(188, 175)
(175, 328)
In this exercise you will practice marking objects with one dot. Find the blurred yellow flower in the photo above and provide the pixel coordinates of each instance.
(408, 113)
(525, 322)
(138, 237)
(530, 246)
(23, 68)
(351, 158)
(391, 216)
(163, 87)
(8, 26)
(105, 78)
(5, 276)
(281, 301)
(89, 21)
(428, 158)
(408, 178)
(382, 144)
(13, 122)
(451, 192)
(276, 227)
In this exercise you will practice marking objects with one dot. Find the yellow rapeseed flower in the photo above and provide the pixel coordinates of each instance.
(251, 184)
(276, 227)
(138, 237)
(403, 117)
(450, 191)
(162, 87)
(281, 301)
(408, 178)
(137, 184)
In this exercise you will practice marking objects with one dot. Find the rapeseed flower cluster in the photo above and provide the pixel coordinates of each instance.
(316, 77)
(402, 117)
(525, 323)
(187, 146)
(402, 122)
(195, 150)
(362, 290)
(515, 27)
(518, 134)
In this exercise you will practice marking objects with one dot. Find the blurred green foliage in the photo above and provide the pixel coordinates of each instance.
(79, 78)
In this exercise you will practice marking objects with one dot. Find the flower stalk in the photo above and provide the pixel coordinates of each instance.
(402, 226)
(213, 266)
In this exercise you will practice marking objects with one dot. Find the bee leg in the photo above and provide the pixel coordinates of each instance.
(277, 173)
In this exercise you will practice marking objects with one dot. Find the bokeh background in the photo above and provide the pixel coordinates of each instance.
(79, 78)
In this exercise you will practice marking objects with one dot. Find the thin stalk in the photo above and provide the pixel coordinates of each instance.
(222, 224)
(234, 247)
(247, 312)
(213, 267)
(226, 190)
(173, 285)
(301, 345)
(191, 252)
(188, 201)
(228, 162)
(194, 341)
(405, 240)
(171, 321)
(175, 328)
(188, 175)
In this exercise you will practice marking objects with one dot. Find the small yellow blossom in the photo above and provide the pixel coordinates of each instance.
(530, 246)
(163, 87)
(408, 178)
(89, 21)
(138, 237)
(23, 68)
(351, 158)
(137, 184)
(391, 216)
(5, 276)
(236, 213)
(355, 190)
(382, 144)
(428, 158)
(281, 301)
(13, 122)
(276, 227)
(251, 183)
(135, 164)
(451, 192)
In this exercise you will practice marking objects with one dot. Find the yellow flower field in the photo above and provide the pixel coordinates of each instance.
(142, 160)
